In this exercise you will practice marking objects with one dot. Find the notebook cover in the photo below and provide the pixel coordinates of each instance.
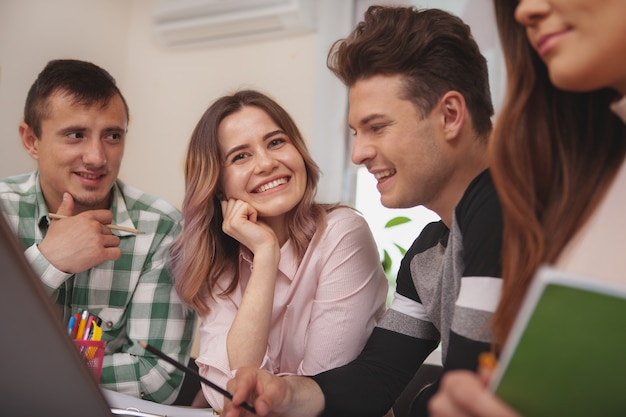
(566, 355)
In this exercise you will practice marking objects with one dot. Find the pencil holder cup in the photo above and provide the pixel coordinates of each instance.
(93, 353)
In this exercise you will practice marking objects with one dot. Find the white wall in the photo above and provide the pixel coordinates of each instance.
(167, 90)
(34, 31)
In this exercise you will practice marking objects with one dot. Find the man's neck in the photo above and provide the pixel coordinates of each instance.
(471, 164)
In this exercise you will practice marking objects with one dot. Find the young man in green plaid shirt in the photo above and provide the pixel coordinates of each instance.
(75, 123)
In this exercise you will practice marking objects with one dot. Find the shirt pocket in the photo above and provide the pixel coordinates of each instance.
(111, 318)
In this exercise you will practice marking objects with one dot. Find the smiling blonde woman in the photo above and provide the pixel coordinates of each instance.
(281, 282)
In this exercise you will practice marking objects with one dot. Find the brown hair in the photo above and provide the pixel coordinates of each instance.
(87, 83)
(203, 252)
(433, 50)
(553, 155)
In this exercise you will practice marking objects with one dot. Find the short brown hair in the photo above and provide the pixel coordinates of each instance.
(433, 50)
(87, 83)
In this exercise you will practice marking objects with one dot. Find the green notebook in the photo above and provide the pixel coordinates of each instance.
(566, 355)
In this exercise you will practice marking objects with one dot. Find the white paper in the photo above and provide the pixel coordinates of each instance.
(127, 402)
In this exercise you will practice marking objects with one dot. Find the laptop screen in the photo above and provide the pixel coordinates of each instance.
(42, 371)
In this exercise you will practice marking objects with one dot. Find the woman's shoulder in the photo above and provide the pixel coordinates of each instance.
(343, 213)
(345, 220)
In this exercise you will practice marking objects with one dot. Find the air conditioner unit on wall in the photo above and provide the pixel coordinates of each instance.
(188, 23)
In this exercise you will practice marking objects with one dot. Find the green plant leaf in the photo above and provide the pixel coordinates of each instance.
(386, 262)
(400, 248)
(397, 221)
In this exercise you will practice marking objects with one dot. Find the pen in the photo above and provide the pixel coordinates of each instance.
(195, 373)
(110, 226)
(71, 325)
(75, 325)
(88, 328)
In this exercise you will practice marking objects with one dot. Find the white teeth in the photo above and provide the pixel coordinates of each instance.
(271, 185)
(90, 177)
(383, 174)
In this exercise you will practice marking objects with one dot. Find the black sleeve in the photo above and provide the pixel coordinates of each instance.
(370, 384)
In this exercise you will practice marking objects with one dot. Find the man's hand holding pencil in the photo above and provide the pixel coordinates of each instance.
(76, 243)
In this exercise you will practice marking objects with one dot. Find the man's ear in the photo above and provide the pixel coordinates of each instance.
(29, 140)
(453, 110)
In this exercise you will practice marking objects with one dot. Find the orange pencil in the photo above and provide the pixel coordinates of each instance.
(82, 325)
(487, 364)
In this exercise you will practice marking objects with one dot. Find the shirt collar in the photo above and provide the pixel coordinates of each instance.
(619, 108)
(120, 211)
(41, 208)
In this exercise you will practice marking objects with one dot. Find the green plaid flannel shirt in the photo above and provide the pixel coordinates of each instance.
(133, 296)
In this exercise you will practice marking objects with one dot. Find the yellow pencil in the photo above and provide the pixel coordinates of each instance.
(97, 335)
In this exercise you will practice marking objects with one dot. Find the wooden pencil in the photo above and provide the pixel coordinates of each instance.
(110, 226)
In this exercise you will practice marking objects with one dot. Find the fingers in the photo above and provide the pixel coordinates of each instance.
(77, 243)
(486, 366)
(241, 223)
(485, 374)
(239, 211)
(89, 221)
(106, 247)
(454, 397)
(109, 240)
(464, 394)
(66, 208)
(104, 217)
(247, 385)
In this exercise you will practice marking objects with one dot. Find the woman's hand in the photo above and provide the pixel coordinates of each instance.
(465, 394)
(241, 223)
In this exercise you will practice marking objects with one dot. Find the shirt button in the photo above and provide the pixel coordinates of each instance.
(109, 324)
